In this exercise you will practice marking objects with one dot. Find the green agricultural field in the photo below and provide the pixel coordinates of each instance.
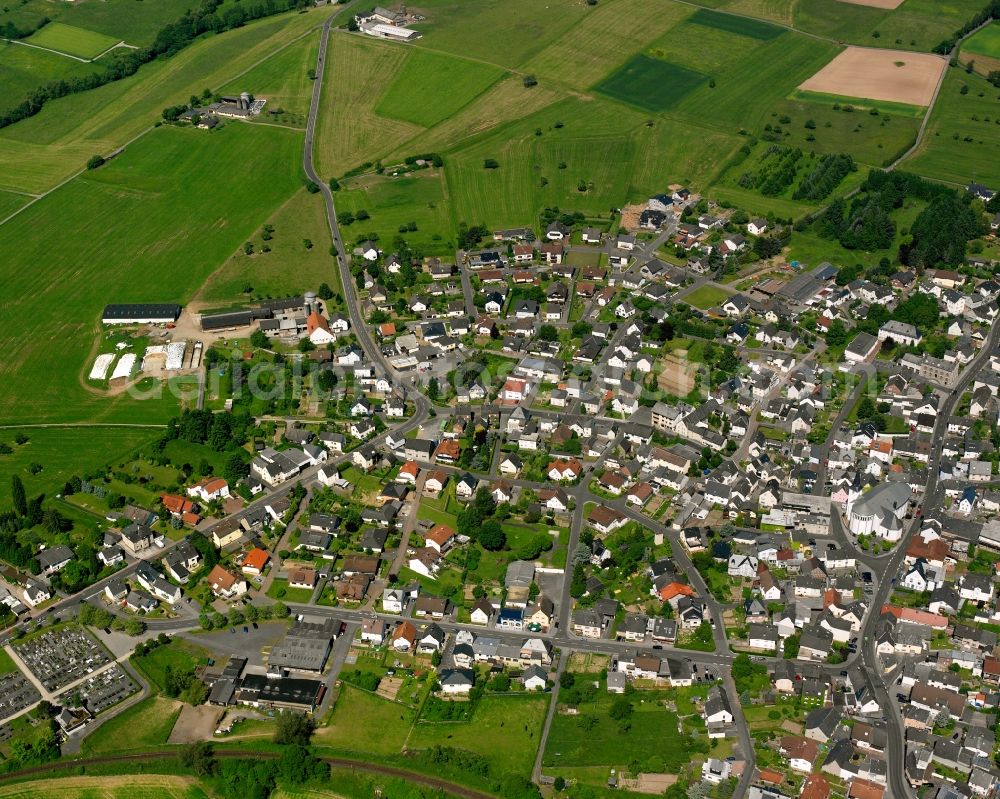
(115, 231)
(431, 87)
(10, 202)
(146, 724)
(705, 297)
(23, 69)
(283, 80)
(711, 51)
(962, 142)
(592, 48)
(507, 34)
(755, 29)
(39, 152)
(64, 452)
(78, 42)
(506, 729)
(985, 42)
(289, 268)
(116, 19)
(349, 131)
(650, 84)
(418, 197)
(149, 786)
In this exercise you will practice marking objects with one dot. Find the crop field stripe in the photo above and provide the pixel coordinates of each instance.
(754, 28)
(650, 84)
(859, 104)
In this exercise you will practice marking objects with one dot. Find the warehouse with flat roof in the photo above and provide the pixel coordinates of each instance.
(142, 313)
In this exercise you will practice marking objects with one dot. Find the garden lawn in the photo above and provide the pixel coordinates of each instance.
(77, 42)
(147, 724)
(705, 297)
(179, 656)
(113, 235)
(573, 742)
(298, 596)
(384, 731)
(430, 87)
(506, 729)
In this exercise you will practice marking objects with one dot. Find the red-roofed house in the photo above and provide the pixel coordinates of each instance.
(177, 505)
(318, 329)
(256, 561)
(440, 537)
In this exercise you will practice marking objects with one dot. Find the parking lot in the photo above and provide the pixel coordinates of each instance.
(103, 690)
(59, 657)
(16, 693)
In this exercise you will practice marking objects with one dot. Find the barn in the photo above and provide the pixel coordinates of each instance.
(140, 314)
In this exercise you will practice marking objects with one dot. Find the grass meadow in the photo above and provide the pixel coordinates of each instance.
(753, 29)
(146, 724)
(23, 69)
(290, 268)
(10, 202)
(128, 232)
(283, 80)
(64, 452)
(417, 197)
(116, 19)
(40, 152)
(962, 142)
(985, 42)
(506, 34)
(78, 42)
(431, 87)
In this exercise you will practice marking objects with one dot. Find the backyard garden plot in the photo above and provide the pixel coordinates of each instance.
(650, 84)
(74, 41)
(430, 87)
(892, 75)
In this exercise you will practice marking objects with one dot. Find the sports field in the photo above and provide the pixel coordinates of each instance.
(128, 232)
(650, 83)
(146, 786)
(431, 87)
(75, 41)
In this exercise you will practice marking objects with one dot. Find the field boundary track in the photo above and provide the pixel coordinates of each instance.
(363, 766)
